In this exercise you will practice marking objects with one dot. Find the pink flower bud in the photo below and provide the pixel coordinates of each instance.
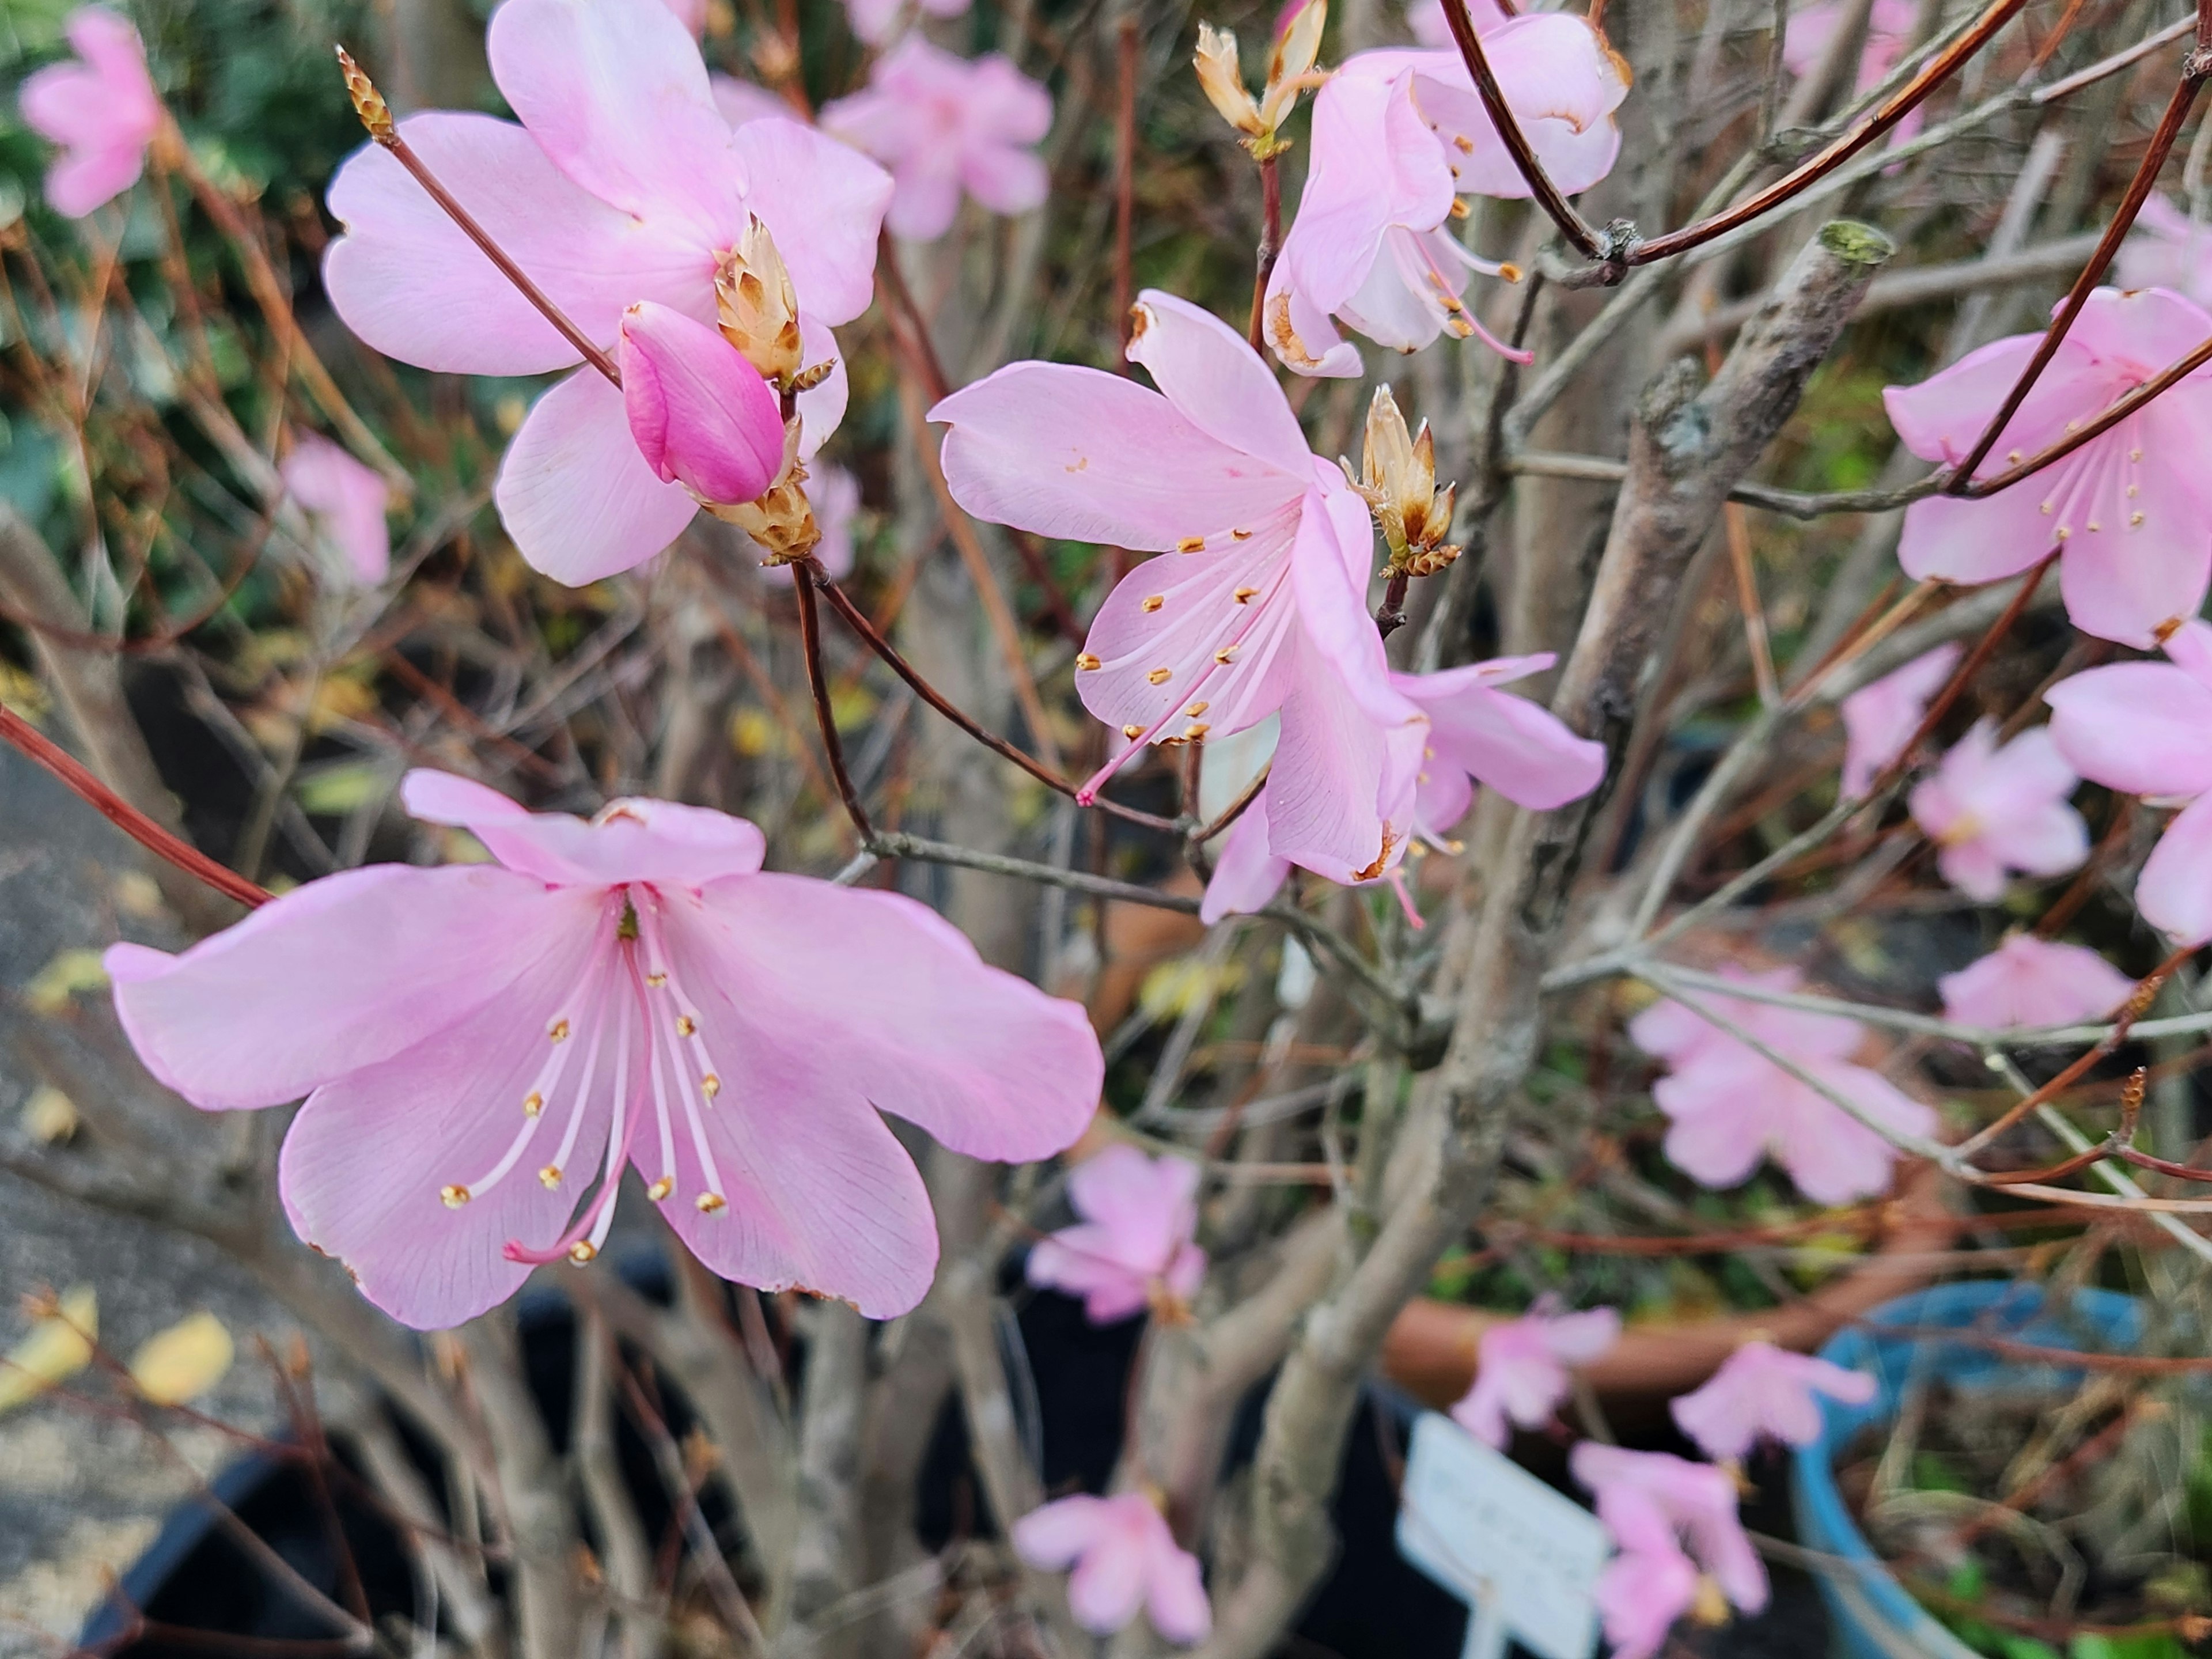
(701, 415)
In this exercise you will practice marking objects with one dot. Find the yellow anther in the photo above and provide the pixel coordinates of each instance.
(2133, 518)
(685, 1025)
(558, 1031)
(549, 1177)
(661, 1189)
(1160, 676)
(1087, 662)
(582, 1251)
(711, 1203)
(1152, 601)
(1195, 730)
(1132, 732)
(1191, 544)
(656, 980)
(533, 1103)
(710, 1085)
(1197, 709)
(1240, 534)
(1226, 655)
(1246, 595)
(454, 1197)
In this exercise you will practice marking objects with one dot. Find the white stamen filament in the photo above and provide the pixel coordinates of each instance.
(692, 1090)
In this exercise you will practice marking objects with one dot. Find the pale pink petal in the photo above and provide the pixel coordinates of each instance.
(1005, 179)
(871, 20)
(365, 1162)
(1107, 1585)
(1974, 868)
(1174, 1596)
(1832, 1157)
(1716, 1133)
(1582, 1339)
(1972, 542)
(2140, 331)
(1146, 1205)
(1215, 382)
(821, 1196)
(103, 112)
(1247, 874)
(1940, 418)
(2144, 728)
(1005, 103)
(631, 839)
(742, 103)
(575, 492)
(347, 499)
(409, 281)
(339, 974)
(1639, 1594)
(1880, 718)
(2028, 981)
(1442, 795)
(2174, 891)
(1512, 744)
(1053, 1535)
(1562, 84)
(1079, 1261)
(1326, 809)
(617, 96)
(1764, 1392)
(823, 204)
(2190, 646)
(1086, 456)
(879, 999)
(2138, 553)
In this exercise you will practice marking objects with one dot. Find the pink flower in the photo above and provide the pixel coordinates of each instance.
(741, 102)
(622, 183)
(1991, 810)
(943, 124)
(872, 20)
(1521, 1369)
(2167, 249)
(1139, 1217)
(2028, 981)
(1694, 1501)
(1477, 734)
(1729, 1105)
(1763, 1390)
(1425, 18)
(343, 500)
(474, 1040)
(1263, 606)
(2145, 728)
(701, 415)
(1881, 718)
(1125, 1558)
(692, 14)
(1398, 135)
(835, 496)
(1889, 28)
(101, 109)
(1650, 1584)
(2130, 512)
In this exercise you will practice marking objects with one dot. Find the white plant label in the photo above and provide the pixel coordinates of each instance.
(1523, 1557)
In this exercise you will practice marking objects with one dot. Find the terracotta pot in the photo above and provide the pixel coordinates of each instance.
(1431, 1350)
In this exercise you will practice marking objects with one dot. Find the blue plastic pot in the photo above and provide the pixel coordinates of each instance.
(1874, 1616)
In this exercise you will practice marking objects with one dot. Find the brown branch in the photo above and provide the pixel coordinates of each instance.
(806, 574)
(1270, 248)
(1125, 179)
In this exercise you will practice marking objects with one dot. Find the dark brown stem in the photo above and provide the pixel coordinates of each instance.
(1125, 177)
(1391, 616)
(1271, 246)
(1578, 231)
(805, 576)
(126, 817)
(857, 620)
(387, 135)
(2194, 70)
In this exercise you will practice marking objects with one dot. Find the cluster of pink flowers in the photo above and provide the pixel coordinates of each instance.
(1730, 1105)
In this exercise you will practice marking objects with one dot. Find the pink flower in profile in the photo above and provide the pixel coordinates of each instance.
(1729, 1105)
(701, 415)
(1880, 718)
(475, 1041)
(2167, 249)
(2130, 512)
(344, 501)
(1991, 810)
(872, 20)
(1888, 31)
(623, 184)
(101, 109)
(1398, 137)
(1125, 1561)
(2028, 981)
(835, 496)
(1261, 606)
(1477, 734)
(1135, 1240)
(1763, 1391)
(1696, 1502)
(943, 124)
(2145, 728)
(1522, 1365)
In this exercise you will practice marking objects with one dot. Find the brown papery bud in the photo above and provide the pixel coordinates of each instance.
(781, 520)
(1296, 50)
(1222, 81)
(368, 102)
(757, 307)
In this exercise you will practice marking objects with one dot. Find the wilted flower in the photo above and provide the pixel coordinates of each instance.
(101, 109)
(1261, 605)
(2126, 512)
(2028, 981)
(1398, 137)
(1989, 811)
(1729, 1106)
(344, 501)
(474, 1040)
(623, 184)
(1881, 718)
(1761, 1391)
(1220, 78)
(1522, 1366)
(2146, 728)
(943, 124)
(1125, 1561)
(701, 415)
(835, 496)
(1134, 1245)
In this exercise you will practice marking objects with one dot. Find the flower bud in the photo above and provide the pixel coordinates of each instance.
(758, 311)
(1222, 81)
(1296, 46)
(780, 518)
(1398, 481)
(701, 415)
